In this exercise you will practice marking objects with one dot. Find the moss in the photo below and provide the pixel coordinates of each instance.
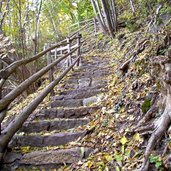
(132, 26)
(146, 105)
(158, 85)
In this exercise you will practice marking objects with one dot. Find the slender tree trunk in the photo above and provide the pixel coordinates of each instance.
(132, 6)
(100, 13)
(37, 28)
(106, 9)
(3, 15)
(114, 14)
(98, 17)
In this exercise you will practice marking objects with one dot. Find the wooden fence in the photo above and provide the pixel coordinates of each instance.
(68, 50)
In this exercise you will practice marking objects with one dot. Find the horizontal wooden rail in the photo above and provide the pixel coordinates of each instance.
(24, 85)
(82, 28)
(81, 22)
(5, 73)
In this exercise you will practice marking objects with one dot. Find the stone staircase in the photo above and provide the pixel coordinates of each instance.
(49, 130)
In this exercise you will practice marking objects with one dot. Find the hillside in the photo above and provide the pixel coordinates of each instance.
(131, 107)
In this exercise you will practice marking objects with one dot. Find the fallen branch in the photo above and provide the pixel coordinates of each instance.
(124, 68)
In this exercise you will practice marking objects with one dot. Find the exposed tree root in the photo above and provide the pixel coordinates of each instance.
(125, 66)
(163, 123)
(150, 114)
(146, 133)
(161, 128)
(147, 127)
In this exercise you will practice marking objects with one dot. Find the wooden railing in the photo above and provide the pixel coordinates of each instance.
(67, 50)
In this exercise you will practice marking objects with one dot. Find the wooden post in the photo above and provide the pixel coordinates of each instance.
(2, 112)
(95, 26)
(51, 71)
(1, 67)
(69, 61)
(56, 53)
(79, 51)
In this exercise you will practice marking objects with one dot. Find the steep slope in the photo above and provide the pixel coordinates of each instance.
(131, 108)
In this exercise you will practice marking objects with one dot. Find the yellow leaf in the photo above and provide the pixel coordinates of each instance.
(137, 137)
(82, 151)
(122, 110)
(89, 164)
(123, 149)
(117, 168)
(109, 158)
(123, 140)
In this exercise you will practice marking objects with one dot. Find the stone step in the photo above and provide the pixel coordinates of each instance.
(43, 141)
(67, 103)
(45, 160)
(93, 67)
(78, 94)
(82, 85)
(76, 102)
(63, 113)
(54, 159)
(86, 83)
(93, 74)
(51, 125)
(81, 93)
(62, 156)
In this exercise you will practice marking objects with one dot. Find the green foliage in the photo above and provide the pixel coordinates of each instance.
(156, 160)
(146, 105)
(100, 37)
(55, 18)
(132, 26)
(166, 9)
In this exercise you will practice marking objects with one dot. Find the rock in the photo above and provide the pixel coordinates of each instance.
(89, 101)
(43, 141)
(51, 125)
(84, 82)
(63, 156)
(67, 103)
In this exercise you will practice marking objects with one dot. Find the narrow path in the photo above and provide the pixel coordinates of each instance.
(47, 132)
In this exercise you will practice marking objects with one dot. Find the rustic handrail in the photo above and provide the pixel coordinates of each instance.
(82, 28)
(80, 22)
(5, 73)
(24, 85)
(14, 126)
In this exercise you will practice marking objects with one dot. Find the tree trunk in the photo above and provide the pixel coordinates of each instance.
(132, 6)
(106, 9)
(98, 17)
(36, 39)
(114, 14)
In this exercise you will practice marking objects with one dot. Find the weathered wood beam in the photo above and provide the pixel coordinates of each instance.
(5, 73)
(24, 85)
